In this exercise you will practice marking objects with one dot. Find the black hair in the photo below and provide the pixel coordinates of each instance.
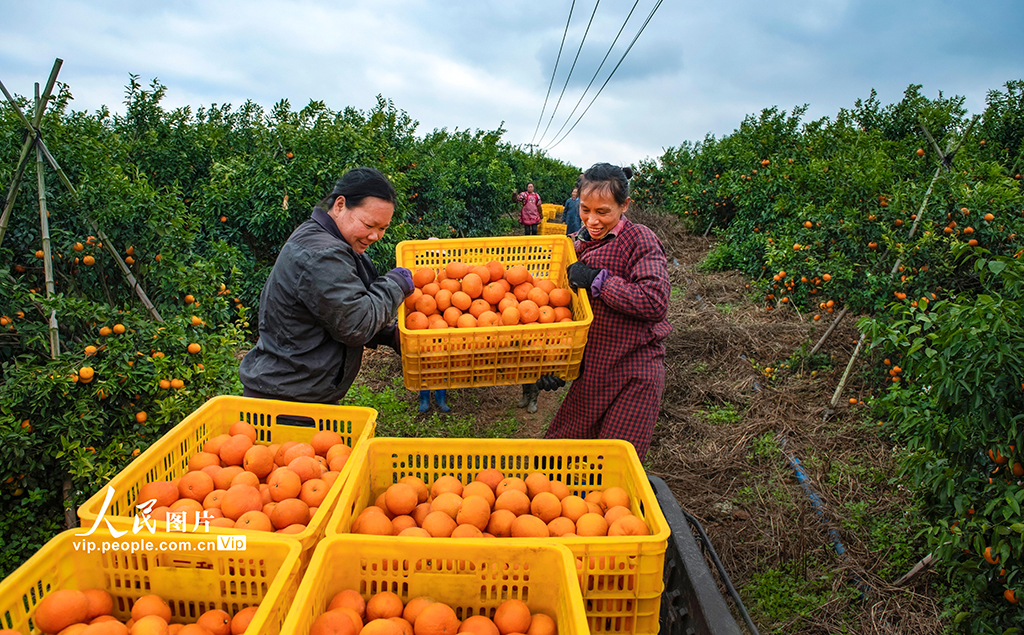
(606, 175)
(357, 184)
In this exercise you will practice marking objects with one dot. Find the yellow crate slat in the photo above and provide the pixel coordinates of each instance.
(494, 356)
(275, 422)
(190, 579)
(620, 577)
(473, 577)
(552, 229)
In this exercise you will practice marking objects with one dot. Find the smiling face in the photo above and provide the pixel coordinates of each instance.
(363, 225)
(599, 211)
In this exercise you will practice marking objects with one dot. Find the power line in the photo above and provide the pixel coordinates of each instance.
(642, 27)
(555, 69)
(571, 68)
(600, 66)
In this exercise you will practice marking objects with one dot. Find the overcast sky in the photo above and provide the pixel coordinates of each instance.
(698, 68)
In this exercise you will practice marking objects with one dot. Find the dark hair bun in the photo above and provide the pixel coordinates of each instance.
(628, 172)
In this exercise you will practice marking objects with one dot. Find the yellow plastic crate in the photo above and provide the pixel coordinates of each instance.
(552, 229)
(494, 356)
(621, 577)
(192, 581)
(471, 576)
(550, 210)
(275, 422)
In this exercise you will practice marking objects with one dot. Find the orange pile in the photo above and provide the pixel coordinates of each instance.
(386, 614)
(493, 506)
(88, 612)
(236, 482)
(465, 296)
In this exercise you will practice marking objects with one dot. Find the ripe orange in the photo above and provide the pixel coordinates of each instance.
(479, 307)
(314, 491)
(384, 605)
(241, 620)
(451, 316)
(194, 348)
(150, 605)
(410, 302)
(529, 526)
(472, 285)
(439, 524)
(163, 492)
(456, 270)
(561, 526)
(324, 440)
(259, 460)
(100, 603)
(348, 599)
(510, 316)
(628, 525)
(500, 523)
(373, 523)
(446, 483)
(216, 621)
(514, 501)
(546, 506)
(426, 305)
(475, 511)
(417, 321)
(479, 625)
(496, 269)
(529, 312)
(436, 619)
(401, 498)
(522, 291)
(513, 616)
(450, 285)
(542, 624)
(232, 452)
(461, 300)
(329, 623)
(422, 493)
(490, 477)
(512, 482)
(447, 502)
(195, 485)
(88, 260)
(493, 293)
(61, 609)
(415, 606)
(573, 507)
(423, 276)
(443, 299)
(591, 524)
(517, 275)
(479, 488)
(383, 626)
(240, 499)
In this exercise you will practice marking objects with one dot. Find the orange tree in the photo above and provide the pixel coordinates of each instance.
(957, 398)
(831, 203)
(198, 203)
(820, 214)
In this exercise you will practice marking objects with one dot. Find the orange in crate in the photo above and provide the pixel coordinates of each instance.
(508, 348)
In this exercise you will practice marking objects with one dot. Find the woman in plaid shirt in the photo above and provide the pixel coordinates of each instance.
(623, 268)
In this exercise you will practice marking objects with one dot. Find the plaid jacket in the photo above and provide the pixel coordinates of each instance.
(618, 393)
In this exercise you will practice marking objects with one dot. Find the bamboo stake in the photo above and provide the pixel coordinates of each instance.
(44, 225)
(846, 373)
(914, 572)
(129, 278)
(26, 147)
(824, 337)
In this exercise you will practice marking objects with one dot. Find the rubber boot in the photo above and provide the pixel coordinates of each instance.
(526, 396)
(439, 399)
(424, 400)
(534, 390)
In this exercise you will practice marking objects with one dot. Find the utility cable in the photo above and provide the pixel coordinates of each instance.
(553, 71)
(642, 27)
(598, 71)
(567, 77)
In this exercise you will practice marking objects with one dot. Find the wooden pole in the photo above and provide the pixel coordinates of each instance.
(26, 147)
(44, 225)
(132, 282)
(824, 337)
(918, 568)
(846, 373)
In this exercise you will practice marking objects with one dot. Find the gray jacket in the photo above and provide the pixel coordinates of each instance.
(321, 304)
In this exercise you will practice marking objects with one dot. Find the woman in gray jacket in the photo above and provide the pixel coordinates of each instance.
(324, 301)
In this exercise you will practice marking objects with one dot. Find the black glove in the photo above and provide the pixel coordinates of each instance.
(550, 382)
(402, 277)
(388, 336)
(581, 276)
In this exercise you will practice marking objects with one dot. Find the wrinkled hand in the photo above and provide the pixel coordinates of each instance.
(581, 276)
(550, 382)
(403, 277)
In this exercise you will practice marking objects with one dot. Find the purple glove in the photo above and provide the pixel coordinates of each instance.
(403, 278)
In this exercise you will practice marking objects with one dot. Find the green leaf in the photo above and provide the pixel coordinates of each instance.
(996, 267)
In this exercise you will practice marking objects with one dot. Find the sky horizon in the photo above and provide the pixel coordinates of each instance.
(697, 69)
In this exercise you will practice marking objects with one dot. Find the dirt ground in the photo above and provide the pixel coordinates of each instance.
(722, 444)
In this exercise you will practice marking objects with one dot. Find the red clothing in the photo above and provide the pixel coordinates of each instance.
(618, 392)
(530, 214)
